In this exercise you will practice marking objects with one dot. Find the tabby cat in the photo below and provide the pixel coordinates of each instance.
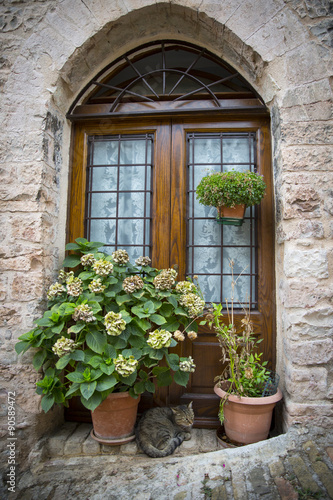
(161, 430)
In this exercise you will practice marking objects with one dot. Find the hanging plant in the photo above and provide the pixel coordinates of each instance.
(229, 190)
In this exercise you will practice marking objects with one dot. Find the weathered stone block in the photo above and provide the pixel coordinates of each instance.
(306, 263)
(301, 201)
(307, 157)
(74, 443)
(27, 287)
(306, 384)
(316, 133)
(309, 353)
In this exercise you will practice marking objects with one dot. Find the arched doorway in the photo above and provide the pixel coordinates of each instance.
(146, 130)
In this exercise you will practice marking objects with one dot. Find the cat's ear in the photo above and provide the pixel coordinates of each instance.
(189, 406)
(174, 410)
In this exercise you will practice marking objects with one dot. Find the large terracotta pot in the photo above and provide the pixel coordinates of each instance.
(247, 420)
(114, 419)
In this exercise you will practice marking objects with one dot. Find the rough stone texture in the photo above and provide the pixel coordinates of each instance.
(289, 466)
(51, 48)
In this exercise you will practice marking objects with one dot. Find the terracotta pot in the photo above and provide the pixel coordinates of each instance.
(248, 420)
(236, 212)
(114, 419)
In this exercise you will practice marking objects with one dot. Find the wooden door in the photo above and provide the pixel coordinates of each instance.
(182, 148)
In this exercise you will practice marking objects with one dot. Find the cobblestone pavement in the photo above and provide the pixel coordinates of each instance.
(70, 464)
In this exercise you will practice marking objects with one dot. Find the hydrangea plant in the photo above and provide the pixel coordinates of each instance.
(108, 326)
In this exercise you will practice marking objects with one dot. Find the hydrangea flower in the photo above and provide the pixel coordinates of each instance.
(114, 323)
(193, 303)
(83, 312)
(96, 286)
(132, 284)
(88, 259)
(178, 335)
(187, 365)
(192, 335)
(143, 261)
(64, 276)
(55, 290)
(120, 257)
(125, 366)
(74, 286)
(103, 267)
(165, 279)
(185, 287)
(64, 346)
(159, 338)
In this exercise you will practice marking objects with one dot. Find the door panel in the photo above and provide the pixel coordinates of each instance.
(177, 142)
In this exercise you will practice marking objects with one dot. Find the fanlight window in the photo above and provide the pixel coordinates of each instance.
(164, 75)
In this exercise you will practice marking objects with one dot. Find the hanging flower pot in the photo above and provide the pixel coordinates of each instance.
(114, 419)
(231, 215)
(247, 420)
(228, 190)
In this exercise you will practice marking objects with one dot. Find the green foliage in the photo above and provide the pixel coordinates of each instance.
(230, 189)
(244, 374)
(92, 339)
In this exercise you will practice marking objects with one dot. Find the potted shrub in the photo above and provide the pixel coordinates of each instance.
(107, 327)
(248, 390)
(231, 192)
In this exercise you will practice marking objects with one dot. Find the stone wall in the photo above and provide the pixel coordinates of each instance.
(51, 48)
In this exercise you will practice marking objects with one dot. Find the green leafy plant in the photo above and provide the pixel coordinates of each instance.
(244, 373)
(230, 189)
(109, 325)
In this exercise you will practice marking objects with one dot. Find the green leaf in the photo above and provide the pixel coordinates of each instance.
(92, 403)
(58, 329)
(87, 389)
(73, 388)
(157, 319)
(63, 361)
(76, 377)
(106, 382)
(95, 361)
(110, 351)
(77, 355)
(150, 386)
(39, 359)
(77, 327)
(107, 369)
(47, 402)
(173, 301)
(96, 341)
(181, 378)
(164, 379)
(22, 347)
(72, 246)
(71, 261)
(139, 387)
(173, 361)
(128, 380)
(121, 299)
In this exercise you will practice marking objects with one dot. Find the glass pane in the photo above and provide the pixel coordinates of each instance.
(131, 204)
(103, 230)
(103, 204)
(133, 178)
(104, 179)
(236, 150)
(132, 152)
(207, 150)
(210, 287)
(105, 153)
(130, 232)
(242, 290)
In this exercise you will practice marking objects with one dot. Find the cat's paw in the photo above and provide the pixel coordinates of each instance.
(187, 436)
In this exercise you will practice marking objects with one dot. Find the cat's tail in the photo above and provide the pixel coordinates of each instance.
(154, 452)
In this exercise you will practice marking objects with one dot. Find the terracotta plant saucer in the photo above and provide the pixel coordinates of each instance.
(112, 442)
